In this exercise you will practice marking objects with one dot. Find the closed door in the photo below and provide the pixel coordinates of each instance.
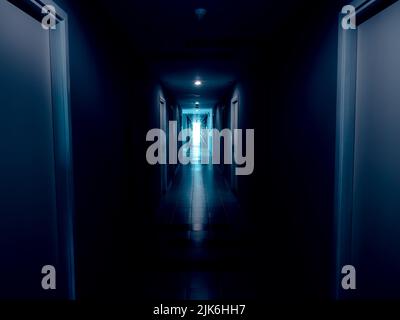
(28, 219)
(376, 211)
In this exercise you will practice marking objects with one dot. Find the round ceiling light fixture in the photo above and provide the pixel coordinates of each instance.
(200, 13)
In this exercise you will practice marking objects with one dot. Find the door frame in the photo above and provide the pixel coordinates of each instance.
(234, 122)
(345, 134)
(164, 127)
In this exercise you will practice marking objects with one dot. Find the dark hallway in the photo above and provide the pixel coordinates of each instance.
(201, 150)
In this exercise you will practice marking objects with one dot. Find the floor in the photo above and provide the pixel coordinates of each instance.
(203, 244)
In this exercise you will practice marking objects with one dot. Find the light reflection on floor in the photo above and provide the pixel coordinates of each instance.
(203, 240)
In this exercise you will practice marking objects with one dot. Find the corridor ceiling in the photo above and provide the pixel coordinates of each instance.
(179, 47)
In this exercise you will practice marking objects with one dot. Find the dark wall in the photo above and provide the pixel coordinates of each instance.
(98, 149)
(114, 102)
(115, 189)
(288, 95)
(297, 128)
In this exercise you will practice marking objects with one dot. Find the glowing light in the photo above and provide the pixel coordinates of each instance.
(198, 83)
(196, 133)
(200, 13)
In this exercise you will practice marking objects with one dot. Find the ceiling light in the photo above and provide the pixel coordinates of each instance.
(200, 13)
(198, 83)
